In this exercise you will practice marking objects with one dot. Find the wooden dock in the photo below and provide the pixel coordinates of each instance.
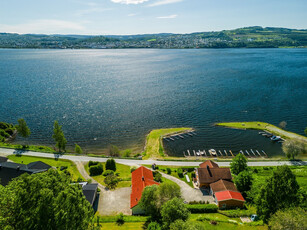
(224, 153)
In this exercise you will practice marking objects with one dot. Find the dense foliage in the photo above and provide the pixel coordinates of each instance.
(96, 169)
(202, 208)
(43, 201)
(173, 210)
(6, 130)
(114, 151)
(23, 128)
(293, 148)
(238, 164)
(279, 192)
(111, 181)
(78, 149)
(244, 182)
(111, 164)
(157, 176)
(293, 218)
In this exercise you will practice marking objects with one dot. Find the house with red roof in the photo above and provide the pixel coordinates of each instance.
(229, 199)
(140, 178)
(218, 181)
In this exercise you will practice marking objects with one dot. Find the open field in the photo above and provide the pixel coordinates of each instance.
(154, 146)
(265, 127)
(71, 167)
(124, 175)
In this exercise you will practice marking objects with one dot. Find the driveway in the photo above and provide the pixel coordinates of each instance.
(189, 193)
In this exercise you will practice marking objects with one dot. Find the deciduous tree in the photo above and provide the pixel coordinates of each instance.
(244, 182)
(279, 192)
(292, 148)
(78, 149)
(23, 128)
(111, 164)
(238, 164)
(58, 136)
(111, 181)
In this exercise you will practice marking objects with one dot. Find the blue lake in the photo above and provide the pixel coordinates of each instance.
(104, 97)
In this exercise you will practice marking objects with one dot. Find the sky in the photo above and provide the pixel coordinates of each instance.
(122, 17)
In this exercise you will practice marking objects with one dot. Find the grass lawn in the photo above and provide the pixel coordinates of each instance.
(71, 167)
(125, 226)
(34, 148)
(154, 147)
(124, 174)
(175, 174)
(264, 126)
(229, 226)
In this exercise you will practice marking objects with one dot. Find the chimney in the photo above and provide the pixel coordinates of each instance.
(143, 179)
(209, 171)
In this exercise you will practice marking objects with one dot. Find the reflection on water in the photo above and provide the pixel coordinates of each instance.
(104, 97)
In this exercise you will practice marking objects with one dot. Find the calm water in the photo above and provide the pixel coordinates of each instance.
(118, 96)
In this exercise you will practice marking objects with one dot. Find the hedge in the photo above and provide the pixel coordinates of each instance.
(96, 170)
(202, 208)
(91, 163)
(237, 212)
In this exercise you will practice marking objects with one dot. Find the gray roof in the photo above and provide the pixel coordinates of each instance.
(38, 165)
(10, 170)
(90, 192)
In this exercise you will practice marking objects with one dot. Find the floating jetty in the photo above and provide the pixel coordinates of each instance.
(224, 153)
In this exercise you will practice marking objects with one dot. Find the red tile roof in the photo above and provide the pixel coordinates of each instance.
(138, 184)
(223, 185)
(209, 163)
(229, 195)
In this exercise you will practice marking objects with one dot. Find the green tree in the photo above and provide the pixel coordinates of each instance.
(186, 225)
(78, 149)
(292, 148)
(96, 170)
(238, 164)
(114, 151)
(290, 219)
(120, 219)
(150, 201)
(23, 128)
(153, 197)
(111, 181)
(279, 192)
(44, 201)
(157, 176)
(244, 182)
(111, 164)
(58, 136)
(174, 210)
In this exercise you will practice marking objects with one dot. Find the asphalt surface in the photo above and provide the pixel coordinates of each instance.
(5, 152)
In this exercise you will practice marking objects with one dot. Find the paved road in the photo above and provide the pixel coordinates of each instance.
(5, 152)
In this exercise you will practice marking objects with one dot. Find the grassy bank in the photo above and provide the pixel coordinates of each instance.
(71, 167)
(124, 172)
(34, 148)
(264, 127)
(154, 147)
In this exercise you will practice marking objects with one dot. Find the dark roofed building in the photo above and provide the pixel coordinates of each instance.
(206, 176)
(209, 163)
(3, 159)
(222, 185)
(90, 192)
(38, 165)
(10, 170)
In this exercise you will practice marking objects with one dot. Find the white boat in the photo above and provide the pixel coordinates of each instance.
(275, 138)
(212, 152)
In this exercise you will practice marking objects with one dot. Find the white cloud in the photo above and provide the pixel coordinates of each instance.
(168, 17)
(131, 15)
(129, 1)
(164, 2)
(45, 26)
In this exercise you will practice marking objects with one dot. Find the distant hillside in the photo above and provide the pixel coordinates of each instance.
(249, 37)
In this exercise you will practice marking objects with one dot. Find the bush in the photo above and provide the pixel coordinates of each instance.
(108, 172)
(202, 208)
(180, 173)
(91, 163)
(111, 181)
(120, 219)
(190, 169)
(111, 165)
(127, 153)
(114, 151)
(96, 170)
(154, 226)
(63, 168)
(157, 176)
(193, 175)
(168, 170)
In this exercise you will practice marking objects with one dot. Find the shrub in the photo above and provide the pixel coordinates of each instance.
(202, 208)
(111, 181)
(190, 169)
(63, 168)
(108, 172)
(96, 170)
(169, 171)
(120, 219)
(157, 176)
(127, 153)
(111, 165)
(193, 175)
(236, 213)
(180, 173)
(91, 163)
(114, 151)
(154, 226)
